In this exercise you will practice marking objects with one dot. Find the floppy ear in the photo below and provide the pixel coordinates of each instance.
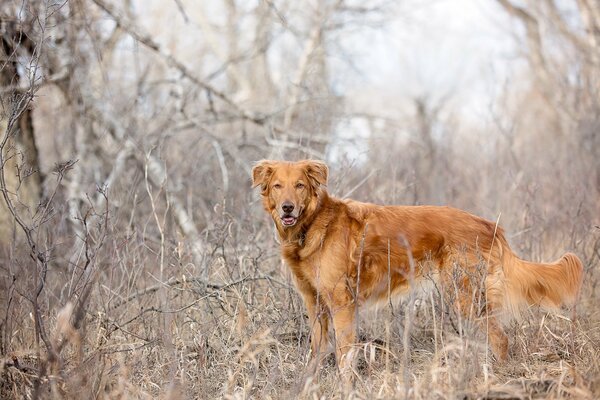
(317, 172)
(261, 173)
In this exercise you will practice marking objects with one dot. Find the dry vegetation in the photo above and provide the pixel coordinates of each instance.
(142, 266)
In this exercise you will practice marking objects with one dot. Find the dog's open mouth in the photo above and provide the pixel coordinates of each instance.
(288, 220)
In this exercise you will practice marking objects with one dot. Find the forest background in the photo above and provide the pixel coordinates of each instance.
(136, 261)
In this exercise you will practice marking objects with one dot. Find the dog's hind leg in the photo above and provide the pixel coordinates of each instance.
(477, 296)
(494, 295)
(496, 336)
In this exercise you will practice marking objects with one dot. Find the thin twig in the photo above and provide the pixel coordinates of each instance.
(145, 39)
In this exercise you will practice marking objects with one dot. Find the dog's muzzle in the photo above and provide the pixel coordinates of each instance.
(289, 220)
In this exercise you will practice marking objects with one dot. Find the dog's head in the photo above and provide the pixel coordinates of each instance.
(290, 190)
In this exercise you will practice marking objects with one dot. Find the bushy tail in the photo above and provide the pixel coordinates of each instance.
(547, 285)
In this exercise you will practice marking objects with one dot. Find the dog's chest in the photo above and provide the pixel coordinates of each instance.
(316, 261)
(303, 250)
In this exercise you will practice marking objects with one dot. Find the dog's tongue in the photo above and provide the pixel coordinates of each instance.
(288, 220)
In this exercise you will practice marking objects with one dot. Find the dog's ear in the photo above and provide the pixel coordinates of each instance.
(261, 173)
(317, 172)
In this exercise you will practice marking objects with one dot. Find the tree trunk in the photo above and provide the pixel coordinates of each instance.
(21, 168)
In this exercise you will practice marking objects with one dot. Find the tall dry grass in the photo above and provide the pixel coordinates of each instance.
(130, 315)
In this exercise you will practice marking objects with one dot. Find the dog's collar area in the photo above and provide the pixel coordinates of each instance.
(301, 238)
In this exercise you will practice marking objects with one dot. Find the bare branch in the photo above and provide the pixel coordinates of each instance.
(157, 176)
(312, 43)
(534, 39)
(147, 40)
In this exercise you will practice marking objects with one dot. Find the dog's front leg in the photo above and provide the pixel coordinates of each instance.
(318, 318)
(343, 313)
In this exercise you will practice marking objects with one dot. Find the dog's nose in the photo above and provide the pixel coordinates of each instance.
(287, 207)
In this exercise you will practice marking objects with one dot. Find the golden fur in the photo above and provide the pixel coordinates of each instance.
(344, 253)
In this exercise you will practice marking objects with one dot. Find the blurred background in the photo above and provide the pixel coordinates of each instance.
(129, 129)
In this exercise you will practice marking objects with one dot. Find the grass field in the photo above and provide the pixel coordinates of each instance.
(133, 317)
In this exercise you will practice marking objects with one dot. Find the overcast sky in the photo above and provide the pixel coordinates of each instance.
(433, 48)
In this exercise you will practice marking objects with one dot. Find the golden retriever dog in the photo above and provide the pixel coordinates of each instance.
(344, 253)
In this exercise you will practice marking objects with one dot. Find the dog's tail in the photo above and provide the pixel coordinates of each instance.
(547, 285)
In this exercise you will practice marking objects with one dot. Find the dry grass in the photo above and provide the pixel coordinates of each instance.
(155, 325)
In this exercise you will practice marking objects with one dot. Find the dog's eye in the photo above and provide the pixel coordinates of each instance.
(277, 186)
(299, 185)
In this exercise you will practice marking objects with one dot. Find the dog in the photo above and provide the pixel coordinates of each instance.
(345, 253)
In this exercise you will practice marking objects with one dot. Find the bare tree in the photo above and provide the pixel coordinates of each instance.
(21, 42)
(563, 53)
